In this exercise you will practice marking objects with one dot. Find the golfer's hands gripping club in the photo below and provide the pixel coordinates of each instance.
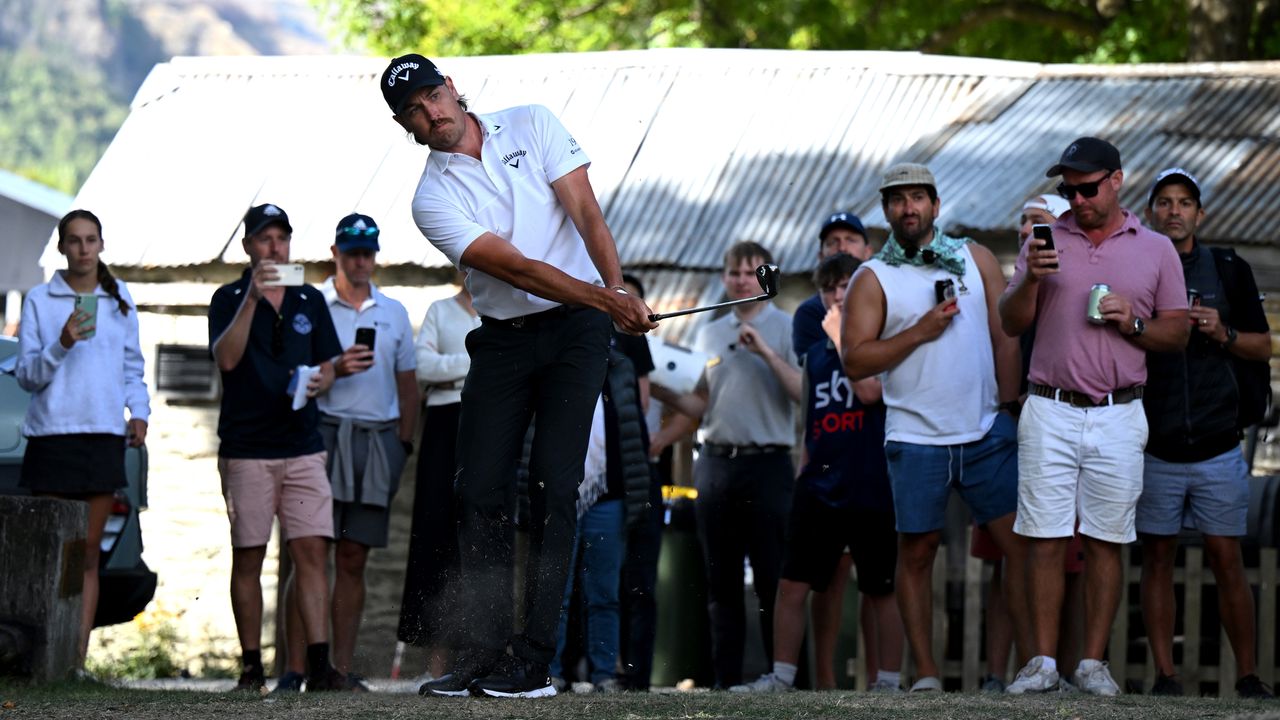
(630, 314)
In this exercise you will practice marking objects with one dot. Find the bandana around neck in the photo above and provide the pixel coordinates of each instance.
(943, 251)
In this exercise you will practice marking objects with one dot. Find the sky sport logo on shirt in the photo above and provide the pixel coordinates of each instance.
(513, 159)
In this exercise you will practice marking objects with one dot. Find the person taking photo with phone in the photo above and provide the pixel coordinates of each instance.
(367, 420)
(81, 361)
(271, 457)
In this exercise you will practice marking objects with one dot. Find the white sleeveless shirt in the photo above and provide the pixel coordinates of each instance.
(944, 392)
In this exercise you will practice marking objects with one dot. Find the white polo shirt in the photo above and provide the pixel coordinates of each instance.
(508, 193)
(370, 395)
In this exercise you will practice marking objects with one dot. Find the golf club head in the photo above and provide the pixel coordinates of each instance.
(768, 277)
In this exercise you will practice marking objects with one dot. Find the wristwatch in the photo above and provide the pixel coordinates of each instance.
(1139, 327)
(1231, 337)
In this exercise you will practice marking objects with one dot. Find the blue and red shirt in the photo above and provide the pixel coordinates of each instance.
(844, 438)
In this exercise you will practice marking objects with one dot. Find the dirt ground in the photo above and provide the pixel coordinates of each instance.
(66, 701)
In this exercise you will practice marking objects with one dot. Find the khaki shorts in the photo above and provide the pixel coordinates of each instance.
(295, 489)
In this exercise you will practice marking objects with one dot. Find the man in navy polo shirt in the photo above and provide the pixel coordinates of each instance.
(271, 457)
(505, 197)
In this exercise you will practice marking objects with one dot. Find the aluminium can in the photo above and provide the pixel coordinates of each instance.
(1096, 293)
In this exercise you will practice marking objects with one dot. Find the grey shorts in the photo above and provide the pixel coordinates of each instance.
(358, 522)
(1210, 496)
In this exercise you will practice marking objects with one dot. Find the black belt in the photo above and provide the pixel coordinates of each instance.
(1080, 400)
(532, 319)
(733, 451)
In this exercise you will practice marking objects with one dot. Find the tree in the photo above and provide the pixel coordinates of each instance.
(1033, 30)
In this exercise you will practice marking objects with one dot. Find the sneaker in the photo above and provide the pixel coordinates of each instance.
(767, 683)
(290, 682)
(927, 684)
(991, 684)
(1166, 685)
(452, 684)
(251, 680)
(1034, 678)
(1094, 677)
(1252, 687)
(356, 683)
(515, 678)
(468, 666)
(610, 685)
(329, 680)
(884, 686)
(559, 684)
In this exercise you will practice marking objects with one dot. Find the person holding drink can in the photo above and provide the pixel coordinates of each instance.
(1082, 430)
(82, 363)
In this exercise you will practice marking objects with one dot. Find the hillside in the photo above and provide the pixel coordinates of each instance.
(70, 68)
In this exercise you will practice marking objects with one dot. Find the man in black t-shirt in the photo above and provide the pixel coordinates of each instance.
(265, 338)
(1194, 474)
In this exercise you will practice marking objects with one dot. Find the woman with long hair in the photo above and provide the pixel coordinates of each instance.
(80, 359)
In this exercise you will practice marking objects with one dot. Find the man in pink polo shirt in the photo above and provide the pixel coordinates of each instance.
(1082, 430)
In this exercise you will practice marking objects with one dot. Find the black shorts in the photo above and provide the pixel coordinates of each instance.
(83, 464)
(817, 535)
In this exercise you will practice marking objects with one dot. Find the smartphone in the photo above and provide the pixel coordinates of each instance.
(944, 290)
(290, 274)
(1045, 233)
(89, 304)
(365, 336)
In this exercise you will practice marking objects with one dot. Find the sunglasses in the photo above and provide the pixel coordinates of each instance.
(1086, 189)
(357, 232)
(927, 256)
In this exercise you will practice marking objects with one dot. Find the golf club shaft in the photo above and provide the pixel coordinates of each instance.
(689, 311)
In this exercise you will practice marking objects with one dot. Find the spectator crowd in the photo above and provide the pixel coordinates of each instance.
(1093, 399)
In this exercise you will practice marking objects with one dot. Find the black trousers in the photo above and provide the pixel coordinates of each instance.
(551, 365)
(742, 510)
(431, 573)
(639, 593)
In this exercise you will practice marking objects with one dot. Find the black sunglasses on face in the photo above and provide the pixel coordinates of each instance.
(927, 256)
(1086, 189)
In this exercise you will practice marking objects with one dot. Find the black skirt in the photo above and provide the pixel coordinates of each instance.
(85, 464)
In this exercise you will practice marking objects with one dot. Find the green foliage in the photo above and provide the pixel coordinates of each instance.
(58, 118)
(140, 650)
(1108, 31)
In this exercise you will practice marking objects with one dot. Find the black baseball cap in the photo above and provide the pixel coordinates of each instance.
(406, 74)
(261, 216)
(1088, 154)
(356, 232)
(1171, 176)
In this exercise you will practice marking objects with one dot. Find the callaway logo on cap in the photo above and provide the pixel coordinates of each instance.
(406, 74)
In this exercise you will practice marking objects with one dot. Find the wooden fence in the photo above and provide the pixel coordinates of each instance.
(964, 667)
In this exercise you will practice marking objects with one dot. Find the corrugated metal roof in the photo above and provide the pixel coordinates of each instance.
(38, 196)
(691, 149)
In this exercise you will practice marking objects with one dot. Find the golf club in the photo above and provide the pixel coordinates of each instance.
(767, 275)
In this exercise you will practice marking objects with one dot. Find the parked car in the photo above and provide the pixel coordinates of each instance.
(126, 583)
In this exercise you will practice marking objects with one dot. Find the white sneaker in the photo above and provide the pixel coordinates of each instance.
(1034, 678)
(767, 683)
(884, 686)
(1094, 677)
(927, 684)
